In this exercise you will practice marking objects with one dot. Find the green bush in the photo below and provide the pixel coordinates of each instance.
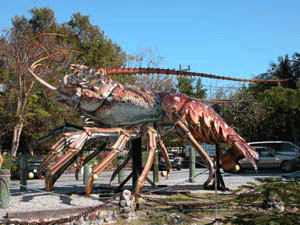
(8, 161)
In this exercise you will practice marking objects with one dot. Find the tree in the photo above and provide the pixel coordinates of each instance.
(37, 37)
(283, 69)
(268, 111)
(282, 106)
(200, 91)
(20, 49)
(149, 58)
(191, 87)
(96, 49)
(245, 113)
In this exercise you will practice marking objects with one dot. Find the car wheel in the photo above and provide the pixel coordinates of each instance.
(178, 167)
(286, 167)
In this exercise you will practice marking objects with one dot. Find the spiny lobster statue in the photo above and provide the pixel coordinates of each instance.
(124, 112)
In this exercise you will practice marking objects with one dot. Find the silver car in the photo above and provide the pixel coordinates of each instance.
(268, 159)
(283, 147)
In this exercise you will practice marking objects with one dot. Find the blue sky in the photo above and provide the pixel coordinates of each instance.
(230, 38)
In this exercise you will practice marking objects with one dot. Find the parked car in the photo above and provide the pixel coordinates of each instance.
(268, 159)
(282, 147)
(293, 164)
(33, 165)
(175, 160)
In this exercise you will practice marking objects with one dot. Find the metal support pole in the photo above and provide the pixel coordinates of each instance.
(23, 171)
(121, 173)
(87, 169)
(219, 178)
(136, 160)
(192, 165)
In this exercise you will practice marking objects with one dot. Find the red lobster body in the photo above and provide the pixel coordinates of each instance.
(129, 106)
(124, 112)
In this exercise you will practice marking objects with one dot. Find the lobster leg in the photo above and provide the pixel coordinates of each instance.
(116, 148)
(161, 145)
(198, 147)
(70, 155)
(152, 134)
(59, 146)
(88, 158)
(164, 150)
(120, 167)
(51, 155)
(77, 140)
(53, 133)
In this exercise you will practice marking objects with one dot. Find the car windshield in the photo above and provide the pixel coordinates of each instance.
(35, 161)
(297, 143)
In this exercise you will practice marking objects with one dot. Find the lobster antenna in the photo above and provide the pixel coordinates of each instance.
(127, 71)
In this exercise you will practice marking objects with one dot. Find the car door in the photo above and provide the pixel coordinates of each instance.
(267, 159)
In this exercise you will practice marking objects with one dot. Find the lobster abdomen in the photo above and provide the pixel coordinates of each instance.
(207, 126)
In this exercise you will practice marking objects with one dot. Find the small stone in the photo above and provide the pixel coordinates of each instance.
(125, 215)
(86, 218)
(127, 210)
(101, 213)
(107, 218)
(122, 203)
(93, 216)
(80, 221)
(176, 218)
(114, 215)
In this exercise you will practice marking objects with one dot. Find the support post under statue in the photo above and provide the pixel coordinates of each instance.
(23, 171)
(87, 169)
(192, 165)
(136, 160)
(219, 178)
(121, 173)
(156, 168)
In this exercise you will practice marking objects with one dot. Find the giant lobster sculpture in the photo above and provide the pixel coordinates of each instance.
(124, 112)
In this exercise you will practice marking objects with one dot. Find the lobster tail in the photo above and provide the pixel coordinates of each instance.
(207, 126)
(239, 150)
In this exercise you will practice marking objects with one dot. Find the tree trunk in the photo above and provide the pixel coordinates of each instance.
(20, 113)
(16, 137)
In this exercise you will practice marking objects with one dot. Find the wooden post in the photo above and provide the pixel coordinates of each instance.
(192, 165)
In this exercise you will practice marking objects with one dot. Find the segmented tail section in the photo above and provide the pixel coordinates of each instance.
(207, 126)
